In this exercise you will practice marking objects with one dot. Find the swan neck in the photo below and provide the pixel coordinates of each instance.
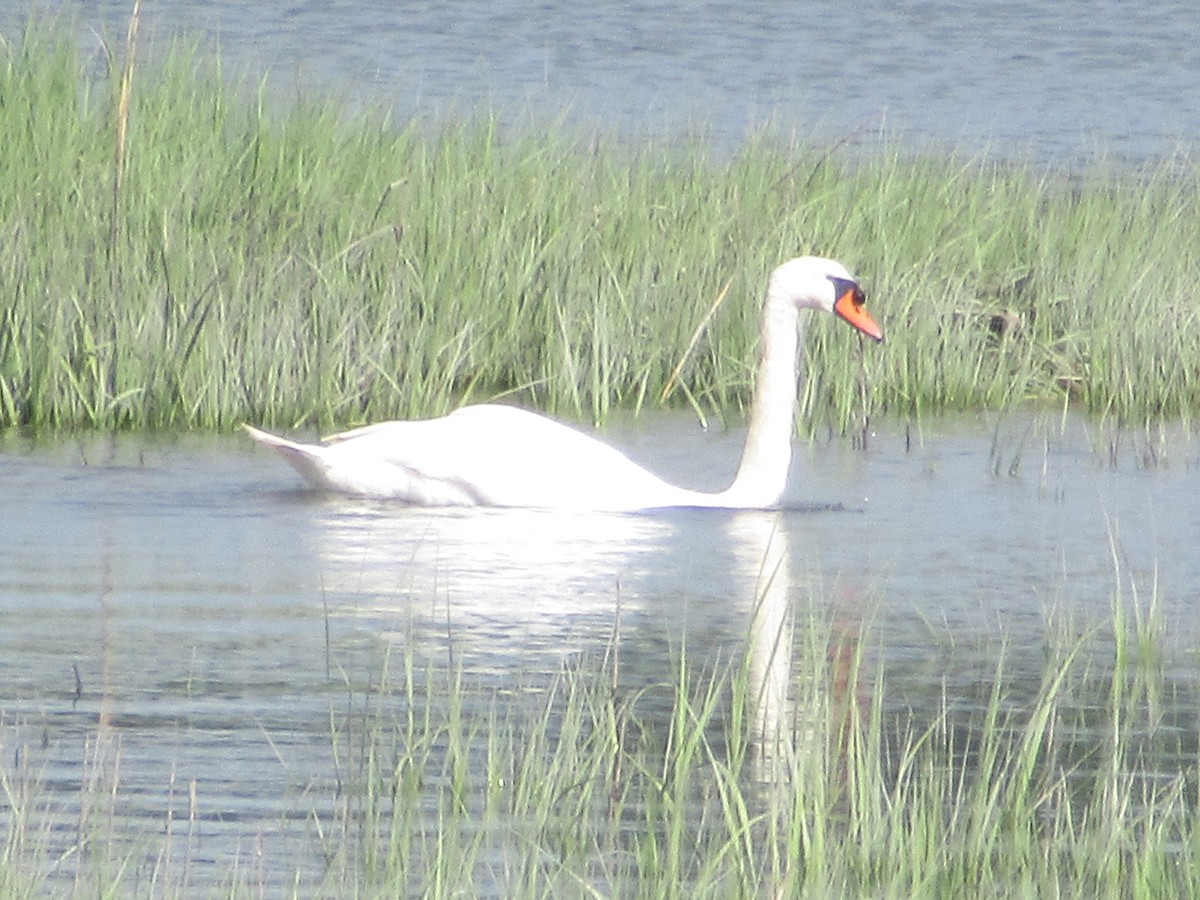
(763, 472)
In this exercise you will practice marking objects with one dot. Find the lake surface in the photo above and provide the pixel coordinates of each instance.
(182, 625)
(1055, 81)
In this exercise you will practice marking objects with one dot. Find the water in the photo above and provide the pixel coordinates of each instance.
(1055, 81)
(180, 619)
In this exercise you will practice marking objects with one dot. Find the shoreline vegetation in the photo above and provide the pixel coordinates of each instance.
(441, 785)
(177, 253)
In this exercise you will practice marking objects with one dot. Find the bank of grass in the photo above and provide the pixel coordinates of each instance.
(180, 252)
(1082, 786)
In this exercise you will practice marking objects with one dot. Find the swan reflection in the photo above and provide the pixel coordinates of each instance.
(518, 591)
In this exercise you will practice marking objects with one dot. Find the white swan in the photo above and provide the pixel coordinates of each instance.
(492, 455)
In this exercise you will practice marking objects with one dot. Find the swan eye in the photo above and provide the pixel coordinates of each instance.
(843, 286)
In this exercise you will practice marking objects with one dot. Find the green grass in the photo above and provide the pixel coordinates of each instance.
(176, 252)
(592, 784)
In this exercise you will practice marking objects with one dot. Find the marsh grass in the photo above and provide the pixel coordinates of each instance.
(178, 252)
(1082, 785)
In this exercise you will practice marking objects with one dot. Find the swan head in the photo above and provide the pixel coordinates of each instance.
(814, 282)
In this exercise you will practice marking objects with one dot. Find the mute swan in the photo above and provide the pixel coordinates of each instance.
(493, 455)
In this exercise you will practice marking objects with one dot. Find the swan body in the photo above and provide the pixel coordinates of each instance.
(494, 455)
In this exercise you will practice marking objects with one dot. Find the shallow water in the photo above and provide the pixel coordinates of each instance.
(1053, 80)
(178, 615)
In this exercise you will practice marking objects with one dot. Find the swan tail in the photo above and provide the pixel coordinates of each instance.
(307, 459)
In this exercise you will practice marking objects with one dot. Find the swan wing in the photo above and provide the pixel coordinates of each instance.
(485, 455)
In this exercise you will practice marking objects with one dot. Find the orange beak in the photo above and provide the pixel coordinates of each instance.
(852, 306)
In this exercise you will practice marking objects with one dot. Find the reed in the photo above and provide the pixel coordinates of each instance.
(183, 251)
(592, 784)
